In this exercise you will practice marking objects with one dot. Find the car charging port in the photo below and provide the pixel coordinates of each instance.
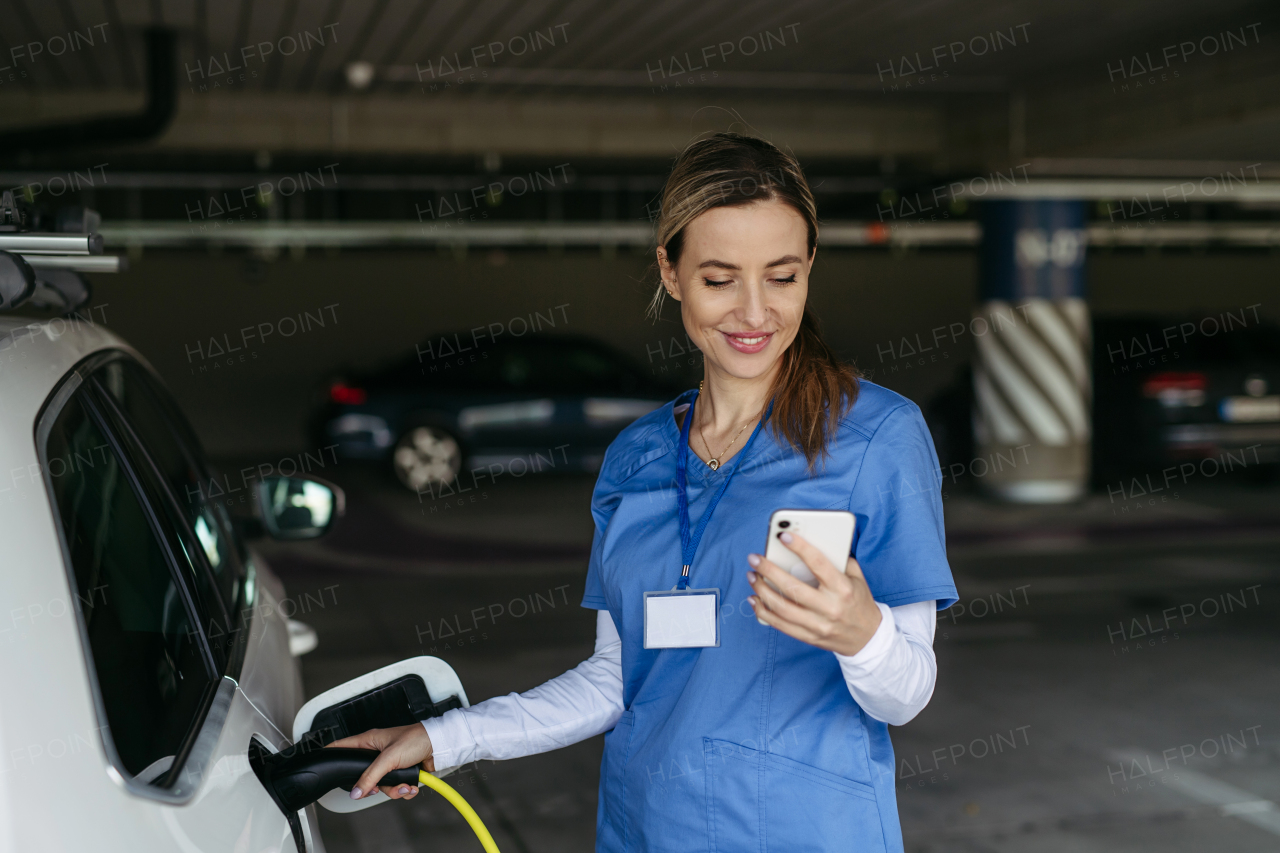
(401, 702)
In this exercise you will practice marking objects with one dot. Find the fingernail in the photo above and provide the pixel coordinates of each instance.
(751, 577)
(403, 790)
(753, 559)
(355, 793)
(785, 537)
(414, 789)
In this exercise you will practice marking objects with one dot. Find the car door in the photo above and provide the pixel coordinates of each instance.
(515, 415)
(580, 391)
(596, 392)
(175, 727)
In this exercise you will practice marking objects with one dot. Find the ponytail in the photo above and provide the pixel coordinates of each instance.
(811, 393)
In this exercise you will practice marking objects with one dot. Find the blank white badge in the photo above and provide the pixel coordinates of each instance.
(681, 619)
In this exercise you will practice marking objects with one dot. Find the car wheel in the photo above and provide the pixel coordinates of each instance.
(427, 456)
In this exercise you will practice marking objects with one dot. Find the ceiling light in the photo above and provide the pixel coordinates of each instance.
(360, 74)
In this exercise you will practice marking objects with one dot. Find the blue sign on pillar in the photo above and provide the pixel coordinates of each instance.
(1033, 249)
(1031, 371)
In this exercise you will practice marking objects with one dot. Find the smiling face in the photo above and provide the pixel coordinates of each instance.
(742, 279)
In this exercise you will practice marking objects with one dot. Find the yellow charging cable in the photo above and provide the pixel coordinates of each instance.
(445, 790)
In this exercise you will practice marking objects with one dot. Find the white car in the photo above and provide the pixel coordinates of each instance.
(144, 652)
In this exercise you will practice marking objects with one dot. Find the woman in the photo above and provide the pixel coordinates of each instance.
(777, 737)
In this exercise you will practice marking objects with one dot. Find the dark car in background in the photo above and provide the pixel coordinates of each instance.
(1173, 389)
(531, 403)
(1166, 389)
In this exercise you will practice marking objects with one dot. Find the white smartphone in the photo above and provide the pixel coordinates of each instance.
(829, 530)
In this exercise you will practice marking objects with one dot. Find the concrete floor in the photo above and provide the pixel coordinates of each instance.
(1051, 703)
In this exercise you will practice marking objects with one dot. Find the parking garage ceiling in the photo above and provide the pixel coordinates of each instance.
(850, 39)
(939, 82)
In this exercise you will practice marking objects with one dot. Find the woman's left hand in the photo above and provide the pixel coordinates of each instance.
(840, 615)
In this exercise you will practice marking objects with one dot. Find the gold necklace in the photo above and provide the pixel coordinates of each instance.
(714, 461)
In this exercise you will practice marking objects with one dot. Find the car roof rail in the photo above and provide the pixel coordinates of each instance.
(44, 269)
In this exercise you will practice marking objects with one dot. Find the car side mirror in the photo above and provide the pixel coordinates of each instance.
(298, 507)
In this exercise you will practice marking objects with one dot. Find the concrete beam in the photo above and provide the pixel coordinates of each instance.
(298, 237)
(561, 126)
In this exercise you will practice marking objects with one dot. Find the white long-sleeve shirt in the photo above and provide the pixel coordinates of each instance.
(891, 677)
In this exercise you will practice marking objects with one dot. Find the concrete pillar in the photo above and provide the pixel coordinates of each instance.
(1031, 373)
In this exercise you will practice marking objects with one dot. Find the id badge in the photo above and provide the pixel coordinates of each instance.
(682, 619)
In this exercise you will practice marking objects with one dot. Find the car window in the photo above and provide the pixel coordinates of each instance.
(537, 365)
(474, 370)
(549, 366)
(151, 670)
(172, 445)
(1263, 343)
(1200, 341)
(1241, 345)
(185, 544)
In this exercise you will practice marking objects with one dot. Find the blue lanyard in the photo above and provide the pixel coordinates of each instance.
(689, 543)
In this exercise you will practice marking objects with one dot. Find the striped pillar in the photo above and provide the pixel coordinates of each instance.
(1031, 372)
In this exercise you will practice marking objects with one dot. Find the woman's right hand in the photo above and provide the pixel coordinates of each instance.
(403, 746)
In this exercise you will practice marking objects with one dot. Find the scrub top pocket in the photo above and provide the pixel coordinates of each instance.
(613, 794)
(761, 801)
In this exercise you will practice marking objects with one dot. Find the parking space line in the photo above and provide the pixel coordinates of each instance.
(1145, 581)
(1230, 800)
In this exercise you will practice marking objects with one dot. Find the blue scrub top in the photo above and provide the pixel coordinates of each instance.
(755, 745)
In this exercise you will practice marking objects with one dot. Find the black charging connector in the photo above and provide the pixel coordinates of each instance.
(297, 777)
(296, 781)
(302, 773)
